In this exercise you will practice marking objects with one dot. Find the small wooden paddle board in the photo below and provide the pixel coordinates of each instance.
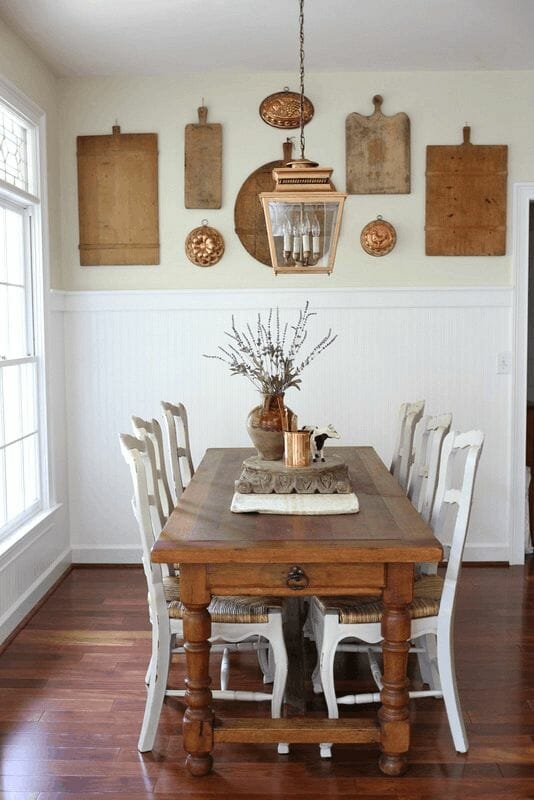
(378, 152)
(203, 163)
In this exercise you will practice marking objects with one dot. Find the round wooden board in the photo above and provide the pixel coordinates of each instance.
(248, 212)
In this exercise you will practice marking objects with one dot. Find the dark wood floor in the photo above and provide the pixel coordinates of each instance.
(72, 698)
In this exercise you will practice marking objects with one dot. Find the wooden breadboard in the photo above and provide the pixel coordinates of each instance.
(378, 152)
(203, 163)
(118, 198)
(466, 199)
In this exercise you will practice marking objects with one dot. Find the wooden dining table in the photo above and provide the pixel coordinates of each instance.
(220, 552)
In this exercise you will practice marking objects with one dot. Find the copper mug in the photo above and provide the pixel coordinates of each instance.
(297, 450)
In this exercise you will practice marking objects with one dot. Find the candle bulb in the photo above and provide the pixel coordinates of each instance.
(287, 238)
(306, 227)
(316, 230)
(296, 243)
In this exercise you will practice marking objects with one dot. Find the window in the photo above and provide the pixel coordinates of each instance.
(23, 484)
(14, 150)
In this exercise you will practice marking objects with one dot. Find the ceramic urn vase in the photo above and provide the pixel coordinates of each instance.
(266, 424)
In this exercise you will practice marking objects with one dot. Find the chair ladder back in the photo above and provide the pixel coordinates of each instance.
(151, 430)
(409, 416)
(446, 495)
(135, 453)
(427, 451)
(176, 415)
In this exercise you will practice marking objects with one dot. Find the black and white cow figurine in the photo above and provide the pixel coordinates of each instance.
(318, 437)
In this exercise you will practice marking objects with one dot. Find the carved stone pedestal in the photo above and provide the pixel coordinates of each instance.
(267, 477)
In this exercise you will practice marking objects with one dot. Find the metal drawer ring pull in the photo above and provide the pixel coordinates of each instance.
(297, 578)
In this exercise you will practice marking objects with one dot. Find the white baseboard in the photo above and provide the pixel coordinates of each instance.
(486, 552)
(106, 555)
(16, 613)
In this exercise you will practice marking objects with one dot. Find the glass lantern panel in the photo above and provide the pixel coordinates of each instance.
(303, 231)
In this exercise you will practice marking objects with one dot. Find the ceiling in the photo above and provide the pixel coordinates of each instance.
(153, 37)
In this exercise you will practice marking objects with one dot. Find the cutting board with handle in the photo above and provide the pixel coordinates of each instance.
(249, 219)
(377, 152)
(118, 198)
(466, 199)
(203, 163)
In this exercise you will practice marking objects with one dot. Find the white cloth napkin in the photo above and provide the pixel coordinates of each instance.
(295, 503)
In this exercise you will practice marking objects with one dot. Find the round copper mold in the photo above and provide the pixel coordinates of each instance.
(204, 246)
(378, 238)
(282, 110)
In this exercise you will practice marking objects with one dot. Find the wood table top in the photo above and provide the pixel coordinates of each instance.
(202, 528)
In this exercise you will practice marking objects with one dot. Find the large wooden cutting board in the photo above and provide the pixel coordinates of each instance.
(203, 163)
(466, 199)
(377, 152)
(249, 219)
(118, 198)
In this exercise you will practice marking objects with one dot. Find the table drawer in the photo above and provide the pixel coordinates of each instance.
(293, 579)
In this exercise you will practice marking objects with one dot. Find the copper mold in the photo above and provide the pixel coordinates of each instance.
(282, 110)
(378, 238)
(204, 246)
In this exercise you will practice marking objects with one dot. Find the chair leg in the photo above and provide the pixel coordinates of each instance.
(279, 657)
(225, 669)
(149, 670)
(445, 655)
(307, 628)
(328, 652)
(428, 661)
(161, 656)
(265, 660)
(317, 625)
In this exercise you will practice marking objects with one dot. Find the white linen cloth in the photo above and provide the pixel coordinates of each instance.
(315, 504)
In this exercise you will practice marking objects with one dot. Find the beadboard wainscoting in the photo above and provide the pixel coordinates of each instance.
(126, 351)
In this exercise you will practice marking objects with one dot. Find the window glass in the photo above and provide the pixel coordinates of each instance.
(14, 243)
(16, 345)
(14, 149)
(14, 479)
(12, 402)
(29, 398)
(30, 447)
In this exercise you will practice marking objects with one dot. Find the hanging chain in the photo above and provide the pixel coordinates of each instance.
(301, 39)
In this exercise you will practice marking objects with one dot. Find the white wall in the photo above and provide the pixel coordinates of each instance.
(30, 566)
(127, 351)
(498, 105)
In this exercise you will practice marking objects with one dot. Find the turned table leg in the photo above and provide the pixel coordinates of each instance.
(199, 716)
(394, 713)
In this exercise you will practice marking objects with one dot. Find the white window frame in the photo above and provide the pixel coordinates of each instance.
(35, 204)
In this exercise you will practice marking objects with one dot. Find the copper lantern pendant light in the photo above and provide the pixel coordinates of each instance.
(303, 213)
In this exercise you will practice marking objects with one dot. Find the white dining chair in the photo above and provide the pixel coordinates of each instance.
(151, 429)
(432, 608)
(175, 416)
(428, 441)
(234, 619)
(409, 416)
